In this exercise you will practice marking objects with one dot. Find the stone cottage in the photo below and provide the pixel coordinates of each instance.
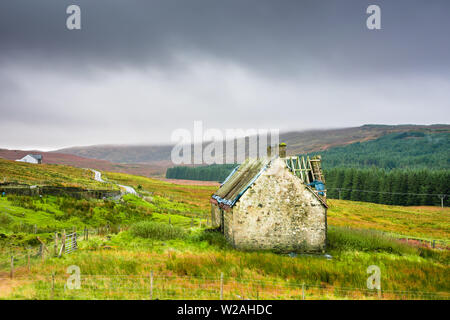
(274, 203)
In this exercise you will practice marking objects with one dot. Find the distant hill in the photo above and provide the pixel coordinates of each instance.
(402, 168)
(401, 150)
(122, 153)
(420, 149)
(149, 170)
(297, 142)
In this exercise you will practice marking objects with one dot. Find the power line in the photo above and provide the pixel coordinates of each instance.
(386, 192)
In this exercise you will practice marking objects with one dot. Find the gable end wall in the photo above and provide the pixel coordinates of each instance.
(277, 213)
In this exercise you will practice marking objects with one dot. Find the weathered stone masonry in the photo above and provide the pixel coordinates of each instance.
(277, 212)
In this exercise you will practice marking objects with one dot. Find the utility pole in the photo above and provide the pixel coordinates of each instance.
(339, 190)
(442, 196)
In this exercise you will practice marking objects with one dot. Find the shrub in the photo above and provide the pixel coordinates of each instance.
(156, 230)
(5, 219)
(213, 238)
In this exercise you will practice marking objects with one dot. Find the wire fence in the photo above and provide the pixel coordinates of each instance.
(68, 243)
(153, 286)
(63, 243)
(441, 196)
(388, 192)
(176, 287)
(14, 257)
(162, 287)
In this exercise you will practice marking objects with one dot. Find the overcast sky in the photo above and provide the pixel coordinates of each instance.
(139, 69)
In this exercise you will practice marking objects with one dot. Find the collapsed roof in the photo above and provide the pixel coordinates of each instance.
(239, 180)
(243, 176)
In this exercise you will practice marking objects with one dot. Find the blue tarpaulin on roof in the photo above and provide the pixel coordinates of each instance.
(318, 185)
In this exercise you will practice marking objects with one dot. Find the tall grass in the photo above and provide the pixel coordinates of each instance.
(423, 222)
(213, 238)
(343, 238)
(157, 230)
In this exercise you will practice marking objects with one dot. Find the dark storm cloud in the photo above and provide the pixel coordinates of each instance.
(139, 69)
(277, 36)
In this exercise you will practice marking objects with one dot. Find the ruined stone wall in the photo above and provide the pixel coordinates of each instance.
(278, 213)
(215, 215)
(228, 223)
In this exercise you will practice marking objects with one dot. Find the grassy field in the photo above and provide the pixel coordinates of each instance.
(49, 174)
(422, 222)
(196, 197)
(187, 258)
(121, 270)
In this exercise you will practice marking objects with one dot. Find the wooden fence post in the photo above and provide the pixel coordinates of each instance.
(151, 285)
(55, 247)
(28, 259)
(42, 252)
(53, 285)
(221, 286)
(12, 267)
(63, 245)
(303, 291)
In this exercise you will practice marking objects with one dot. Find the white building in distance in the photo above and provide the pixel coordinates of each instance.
(32, 158)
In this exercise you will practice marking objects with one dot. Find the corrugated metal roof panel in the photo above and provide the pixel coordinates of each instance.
(240, 180)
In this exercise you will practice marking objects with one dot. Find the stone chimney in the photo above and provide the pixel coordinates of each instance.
(282, 150)
(269, 151)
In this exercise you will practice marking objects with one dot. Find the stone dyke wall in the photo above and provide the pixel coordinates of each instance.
(73, 192)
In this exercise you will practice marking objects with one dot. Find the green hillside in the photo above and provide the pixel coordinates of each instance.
(405, 150)
(49, 175)
(214, 172)
(399, 186)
